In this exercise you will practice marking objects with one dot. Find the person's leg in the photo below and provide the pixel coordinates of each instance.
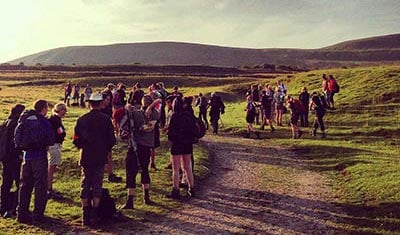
(85, 196)
(187, 167)
(320, 121)
(132, 169)
(144, 161)
(7, 180)
(97, 184)
(175, 159)
(25, 192)
(110, 170)
(40, 168)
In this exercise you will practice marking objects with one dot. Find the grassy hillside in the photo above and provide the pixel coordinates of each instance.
(377, 49)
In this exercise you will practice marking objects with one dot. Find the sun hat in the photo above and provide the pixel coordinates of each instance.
(95, 97)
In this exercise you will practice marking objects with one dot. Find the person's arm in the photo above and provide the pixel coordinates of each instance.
(152, 106)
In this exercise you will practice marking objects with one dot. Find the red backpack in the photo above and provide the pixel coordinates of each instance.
(333, 85)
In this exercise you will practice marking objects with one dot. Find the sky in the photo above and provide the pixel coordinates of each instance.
(31, 26)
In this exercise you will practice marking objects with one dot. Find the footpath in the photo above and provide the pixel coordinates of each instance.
(255, 189)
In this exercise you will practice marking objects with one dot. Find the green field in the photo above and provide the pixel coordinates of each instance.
(361, 153)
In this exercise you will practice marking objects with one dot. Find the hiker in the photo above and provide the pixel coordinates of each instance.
(281, 86)
(279, 100)
(255, 96)
(118, 103)
(332, 88)
(217, 107)
(34, 134)
(76, 95)
(136, 95)
(54, 151)
(164, 95)
(317, 106)
(67, 93)
(325, 88)
(296, 109)
(12, 160)
(304, 97)
(202, 102)
(88, 91)
(140, 144)
(267, 108)
(181, 137)
(155, 95)
(94, 135)
(106, 108)
(250, 116)
(187, 107)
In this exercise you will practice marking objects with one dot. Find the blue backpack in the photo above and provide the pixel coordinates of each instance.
(33, 131)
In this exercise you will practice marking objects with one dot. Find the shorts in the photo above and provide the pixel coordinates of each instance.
(181, 148)
(294, 118)
(250, 118)
(92, 181)
(267, 112)
(54, 154)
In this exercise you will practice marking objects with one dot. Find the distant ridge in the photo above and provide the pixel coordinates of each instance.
(375, 49)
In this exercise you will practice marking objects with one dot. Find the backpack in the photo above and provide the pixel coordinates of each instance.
(298, 106)
(3, 140)
(187, 130)
(333, 85)
(203, 102)
(31, 132)
(107, 205)
(200, 129)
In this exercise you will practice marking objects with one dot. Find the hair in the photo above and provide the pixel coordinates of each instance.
(304, 89)
(200, 94)
(176, 88)
(17, 109)
(59, 106)
(177, 105)
(146, 100)
(39, 105)
(330, 76)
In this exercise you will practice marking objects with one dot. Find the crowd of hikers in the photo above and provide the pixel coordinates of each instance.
(34, 142)
(267, 105)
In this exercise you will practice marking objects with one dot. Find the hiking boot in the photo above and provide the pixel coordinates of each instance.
(314, 132)
(272, 129)
(175, 194)
(86, 216)
(54, 195)
(262, 127)
(191, 192)
(146, 198)
(114, 179)
(24, 219)
(128, 205)
(183, 185)
(153, 166)
(323, 136)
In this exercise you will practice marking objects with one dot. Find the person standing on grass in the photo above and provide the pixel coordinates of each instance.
(217, 108)
(333, 88)
(94, 136)
(296, 108)
(34, 134)
(267, 107)
(181, 137)
(76, 96)
(279, 100)
(54, 151)
(11, 165)
(88, 91)
(67, 93)
(250, 117)
(140, 144)
(304, 97)
(202, 102)
(106, 108)
(316, 105)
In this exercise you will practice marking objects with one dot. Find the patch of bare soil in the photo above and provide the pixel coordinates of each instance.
(246, 195)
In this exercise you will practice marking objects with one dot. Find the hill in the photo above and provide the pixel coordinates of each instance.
(376, 50)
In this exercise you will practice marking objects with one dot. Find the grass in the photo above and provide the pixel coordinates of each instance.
(360, 155)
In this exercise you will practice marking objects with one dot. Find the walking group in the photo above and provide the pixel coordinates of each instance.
(34, 144)
(268, 105)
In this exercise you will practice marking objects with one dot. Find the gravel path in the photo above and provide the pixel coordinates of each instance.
(246, 194)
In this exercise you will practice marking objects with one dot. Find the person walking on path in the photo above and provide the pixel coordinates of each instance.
(54, 151)
(94, 135)
(11, 165)
(33, 134)
(217, 108)
(202, 102)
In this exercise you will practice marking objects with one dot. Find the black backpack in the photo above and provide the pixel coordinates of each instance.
(187, 129)
(200, 129)
(3, 140)
(107, 205)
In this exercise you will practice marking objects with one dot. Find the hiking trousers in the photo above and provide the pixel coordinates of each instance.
(318, 121)
(33, 176)
(11, 169)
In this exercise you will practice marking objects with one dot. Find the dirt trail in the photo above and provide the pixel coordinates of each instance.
(255, 189)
